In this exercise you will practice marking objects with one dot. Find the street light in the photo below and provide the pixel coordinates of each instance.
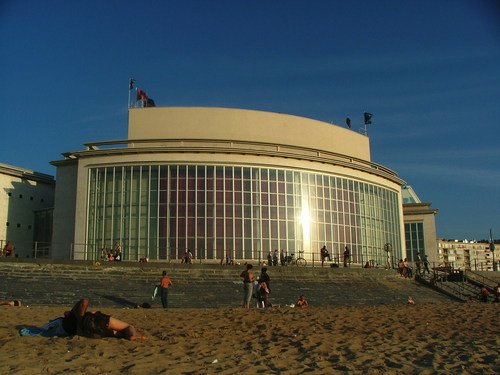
(492, 249)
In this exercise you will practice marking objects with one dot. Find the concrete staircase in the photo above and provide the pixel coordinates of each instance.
(460, 285)
(123, 284)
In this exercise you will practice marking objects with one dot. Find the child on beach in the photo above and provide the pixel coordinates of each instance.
(302, 302)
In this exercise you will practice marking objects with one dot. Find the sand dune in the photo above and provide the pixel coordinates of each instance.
(425, 339)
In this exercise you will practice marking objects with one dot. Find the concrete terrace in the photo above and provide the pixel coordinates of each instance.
(124, 284)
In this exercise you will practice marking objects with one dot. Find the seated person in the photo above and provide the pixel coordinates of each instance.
(302, 302)
(484, 294)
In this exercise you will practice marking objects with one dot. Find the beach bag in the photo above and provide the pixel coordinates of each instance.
(155, 293)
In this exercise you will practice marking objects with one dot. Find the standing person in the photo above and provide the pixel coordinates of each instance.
(282, 257)
(248, 279)
(269, 258)
(347, 255)
(324, 255)
(275, 257)
(265, 289)
(388, 261)
(165, 283)
(117, 252)
(426, 264)
(407, 269)
(8, 249)
(418, 264)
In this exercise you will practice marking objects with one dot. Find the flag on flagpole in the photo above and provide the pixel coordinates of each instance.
(144, 98)
(368, 118)
(131, 82)
(348, 122)
(141, 95)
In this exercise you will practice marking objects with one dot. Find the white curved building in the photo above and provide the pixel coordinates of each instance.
(220, 181)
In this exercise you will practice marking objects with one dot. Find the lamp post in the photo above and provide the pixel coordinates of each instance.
(492, 249)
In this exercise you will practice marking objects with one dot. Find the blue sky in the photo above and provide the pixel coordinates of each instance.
(429, 71)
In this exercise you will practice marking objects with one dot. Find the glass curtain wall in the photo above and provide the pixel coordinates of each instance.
(414, 235)
(161, 211)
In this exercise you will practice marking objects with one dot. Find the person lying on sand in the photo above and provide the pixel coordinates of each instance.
(6, 302)
(81, 322)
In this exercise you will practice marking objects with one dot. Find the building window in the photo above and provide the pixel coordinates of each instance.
(414, 235)
(161, 211)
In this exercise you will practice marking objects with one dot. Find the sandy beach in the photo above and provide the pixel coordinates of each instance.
(446, 338)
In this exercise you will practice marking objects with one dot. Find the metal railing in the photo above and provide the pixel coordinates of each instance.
(93, 252)
(29, 249)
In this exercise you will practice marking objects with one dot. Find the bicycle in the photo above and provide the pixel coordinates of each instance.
(299, 261)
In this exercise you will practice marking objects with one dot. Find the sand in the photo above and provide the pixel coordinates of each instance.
(446, 338)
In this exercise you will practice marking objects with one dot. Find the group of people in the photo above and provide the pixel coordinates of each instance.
(405, 269)
(325, 254)
(114, 254)
(259, 288)
(276, 257)
(280, 257)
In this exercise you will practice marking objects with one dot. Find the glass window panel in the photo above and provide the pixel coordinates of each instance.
(219, 228)
(219, 184)
(219, 196)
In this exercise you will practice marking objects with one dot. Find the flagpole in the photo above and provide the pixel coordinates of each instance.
(131, 82)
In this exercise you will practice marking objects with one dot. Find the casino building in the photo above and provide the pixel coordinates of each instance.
(220, 181)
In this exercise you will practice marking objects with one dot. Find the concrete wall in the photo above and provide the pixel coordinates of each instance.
(245, 125)
(65, 210)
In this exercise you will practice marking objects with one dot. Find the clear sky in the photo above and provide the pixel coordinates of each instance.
(428, 70)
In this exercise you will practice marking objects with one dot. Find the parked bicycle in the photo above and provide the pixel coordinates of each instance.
(299, 261)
